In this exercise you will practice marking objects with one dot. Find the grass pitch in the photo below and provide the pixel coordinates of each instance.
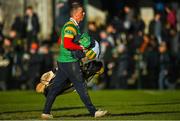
(122, 105)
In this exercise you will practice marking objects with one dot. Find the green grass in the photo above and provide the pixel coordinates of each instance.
(122, 105)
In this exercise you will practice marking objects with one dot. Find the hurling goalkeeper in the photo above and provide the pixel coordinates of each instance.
(69, 64)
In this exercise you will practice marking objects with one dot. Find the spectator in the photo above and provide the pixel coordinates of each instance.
(7, 54)
(92, 30)
(138, 24)
(165, 61)
(160, 8)
(120, 72)
(151, 58)
(18, 50)
(171, 17)
(129, 18)
(112, 34)
(34, 66)
(155, 27)
(47, 58)
(31, 26)
(4, 63)
(62, 13)
(18, 26)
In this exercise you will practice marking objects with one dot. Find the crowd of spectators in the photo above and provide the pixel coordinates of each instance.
(132, 58)
(23, 57)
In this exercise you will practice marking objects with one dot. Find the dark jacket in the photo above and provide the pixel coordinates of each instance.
(35, 24)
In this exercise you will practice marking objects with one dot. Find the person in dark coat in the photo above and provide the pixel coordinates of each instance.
(165, 64)
(34, 66)
(31, 26)
(151, 57)
(47, 58)
(18, 26)
(120, 72)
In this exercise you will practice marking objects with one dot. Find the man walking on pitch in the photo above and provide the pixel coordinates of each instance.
(69, 67)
